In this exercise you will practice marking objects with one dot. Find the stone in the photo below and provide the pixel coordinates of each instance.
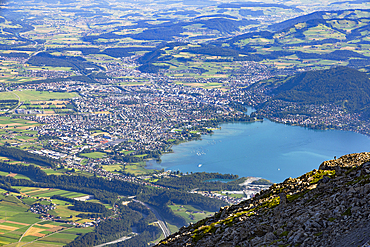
(269, 237)
(282, 199)
(325, 179)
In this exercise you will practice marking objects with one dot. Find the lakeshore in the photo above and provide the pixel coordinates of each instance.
(261, 149)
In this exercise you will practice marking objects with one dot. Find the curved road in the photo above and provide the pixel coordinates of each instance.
(161, 222)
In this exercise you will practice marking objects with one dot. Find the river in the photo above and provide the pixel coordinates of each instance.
(262, 149)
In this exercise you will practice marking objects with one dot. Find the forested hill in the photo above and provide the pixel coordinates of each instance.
(340, 85)
(319, 15)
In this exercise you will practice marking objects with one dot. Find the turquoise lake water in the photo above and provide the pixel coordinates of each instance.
(262, 149)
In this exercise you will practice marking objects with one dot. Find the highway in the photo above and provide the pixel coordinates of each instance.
(162, 225)
(114, 242)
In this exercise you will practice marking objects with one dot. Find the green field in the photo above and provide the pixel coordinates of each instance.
(94, 155)
(8, 96)
(48, 192)
(15, 219)
(29, 95)
(126, 152)
(189, 213)
(112, 168)
(137, 169)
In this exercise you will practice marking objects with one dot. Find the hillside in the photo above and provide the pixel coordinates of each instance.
(325, 207)
(318, 40)
(341, 85)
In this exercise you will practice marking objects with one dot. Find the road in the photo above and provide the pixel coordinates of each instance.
(114, 242)
(23, 244)
(20, 239)
(162, 225)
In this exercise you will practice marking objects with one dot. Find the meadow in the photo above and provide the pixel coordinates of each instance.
(18, 225)
(33, 95)
(94, 155)
(189, 213)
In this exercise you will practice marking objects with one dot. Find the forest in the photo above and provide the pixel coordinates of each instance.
(46, 59)
(200, 180)
(116, 228)
(92, 207)
(341, 84)
(21, 155)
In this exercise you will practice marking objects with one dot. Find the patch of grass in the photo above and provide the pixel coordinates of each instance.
(112, 168)
(64, 236)
(320, 174)
(293, 197)
(137, 169)
(189, 213)
(8, 96)
(58, 238)
(347, 212)
(284, 234)
(29, 238)
(94, 155)
(28, 218)
(172, 228)
(75, 230)
(29, 95)
(201, 231)
(20, 176)
(331, 219)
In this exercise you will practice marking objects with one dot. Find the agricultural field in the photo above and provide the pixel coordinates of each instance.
(189, 213)
(48, 192)
(32, 95)
(112, 168)
(19, 132)
(31, 102)
(137, 169)
(31, 195)
(17, 224)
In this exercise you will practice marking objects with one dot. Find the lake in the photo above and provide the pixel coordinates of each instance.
(262, 149)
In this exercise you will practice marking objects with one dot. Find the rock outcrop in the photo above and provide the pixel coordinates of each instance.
(325, 207)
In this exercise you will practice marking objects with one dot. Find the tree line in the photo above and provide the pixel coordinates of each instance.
(21, 155)
(92, 207)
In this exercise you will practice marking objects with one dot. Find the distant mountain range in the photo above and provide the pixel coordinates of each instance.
(338, 36)
(319, 15)
(327, 29)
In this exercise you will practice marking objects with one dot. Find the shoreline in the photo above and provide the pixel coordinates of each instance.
(311, 128)
(309, 152)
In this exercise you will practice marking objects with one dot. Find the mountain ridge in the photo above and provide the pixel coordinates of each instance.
(324, 207)
(327, 86)
(342, 87)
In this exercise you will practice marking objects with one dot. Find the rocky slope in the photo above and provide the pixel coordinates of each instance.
(325, 207)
